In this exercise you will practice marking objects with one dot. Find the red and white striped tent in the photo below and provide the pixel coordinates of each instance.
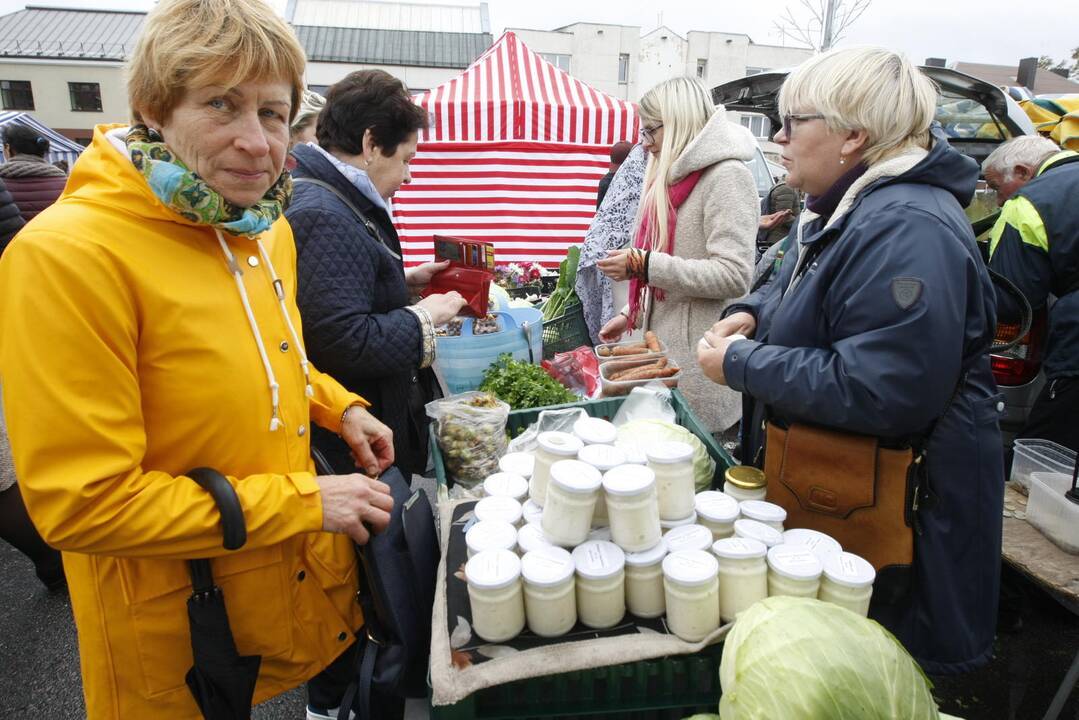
(514, 155)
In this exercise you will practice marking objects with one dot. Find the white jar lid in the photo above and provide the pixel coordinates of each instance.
(634, 453)
(560, 443)
(651, 556)
(690, 567)
(736, 548)
(669, 524)
(518, 463)
(670, 451)
(499, 507)
(598, 559)
(761, 510)
(506, 484)
(595, 431)
(546, 566)
(602, 457)
(575, 476)
(822, 544)
(796, 562)
(491, 535)
(531, 537)
(756, 530)
(848, 569)
(600, 533)
(628, 479)
(493, 569)
(716, 506)
(688, 537)
(532, 512)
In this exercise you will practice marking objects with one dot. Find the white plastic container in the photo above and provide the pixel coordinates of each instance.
(615, 388)
(595, 431)
(530, 537)
(688, 537)
(1033, 455)
(756, 530)
(496, 595)
(599, 533)
(553, 447)
(602, 458)
(793, 570)
(504, 484)
(848, 582)
(691, 591)
(601, 583)
(667, 525)
(768, 513)
(499, 508)
(672, 462)
(822, 544)
(531, 512)
(571, 497)
(632, 507)
(716, 511)
(490, 535)
(518, 463)
(743, 574)
(644, 581)
(634, 453)
(1054, 515)
(550, 591)
(744, 482)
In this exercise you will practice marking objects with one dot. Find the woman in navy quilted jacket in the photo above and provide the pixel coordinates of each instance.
(355, 296)
(34, 184)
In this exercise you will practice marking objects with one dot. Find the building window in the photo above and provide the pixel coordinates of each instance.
(759, 125)
(702, 68)
(16, 95)
(85, 97)
(623, 68)
(559, 61)
(322, 89)
(755, 70)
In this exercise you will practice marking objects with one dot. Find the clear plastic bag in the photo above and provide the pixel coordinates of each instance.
(560, 420)
(471, 433)
(648, 402)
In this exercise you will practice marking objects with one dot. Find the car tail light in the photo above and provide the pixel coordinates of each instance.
(1020, 364)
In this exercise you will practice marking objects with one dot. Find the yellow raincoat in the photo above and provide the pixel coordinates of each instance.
(127, 359)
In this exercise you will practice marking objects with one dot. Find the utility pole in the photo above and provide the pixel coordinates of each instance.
(829, 26)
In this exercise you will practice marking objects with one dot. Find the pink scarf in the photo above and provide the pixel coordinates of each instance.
(676, 196)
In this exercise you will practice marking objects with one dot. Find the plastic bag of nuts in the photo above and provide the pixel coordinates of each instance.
(471, 433)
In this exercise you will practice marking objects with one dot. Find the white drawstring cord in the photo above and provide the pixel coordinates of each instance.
(279, 289)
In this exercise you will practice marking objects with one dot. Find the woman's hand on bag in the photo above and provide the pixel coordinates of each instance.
(710, 355)
(614, 329)
(419, 277)
(354, 505)
(442, 307)
(371, 442)
(739, 323)
(615, 265)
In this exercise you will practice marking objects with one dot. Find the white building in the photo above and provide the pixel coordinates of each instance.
(603, 56)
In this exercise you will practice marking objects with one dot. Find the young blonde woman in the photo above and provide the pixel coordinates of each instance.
(693, 246)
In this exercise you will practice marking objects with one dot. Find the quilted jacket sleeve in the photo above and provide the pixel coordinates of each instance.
(11, 221)
(339, 266)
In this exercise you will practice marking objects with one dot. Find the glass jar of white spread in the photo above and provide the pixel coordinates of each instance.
(672, 462)
(768, 513)
(644, 581)
(571, 497)
(553, 447)
(602, 458)
(743, 574)
(530, 537)
(550, 591)
(490, 535)
(495, 594)
(848, 582)
(716, 511)
(632, 507)
(666, 526)
(600, 533)
(793, 570)
(820, 543)
(691, 591)
(532, 513)
(499, 507)
(518, 463)
(601, 583)
(595, 431)
(756, 530)
(745, 482)
(506, 484)
(688, 537)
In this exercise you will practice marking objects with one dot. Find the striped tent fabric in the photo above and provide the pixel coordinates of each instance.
(60, 147)
(514, 155)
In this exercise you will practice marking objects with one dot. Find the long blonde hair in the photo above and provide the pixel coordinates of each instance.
(684, 106)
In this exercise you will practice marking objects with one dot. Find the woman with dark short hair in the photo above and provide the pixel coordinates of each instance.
(34, 184)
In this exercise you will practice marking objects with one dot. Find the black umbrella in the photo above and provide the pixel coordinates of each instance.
(221, 680)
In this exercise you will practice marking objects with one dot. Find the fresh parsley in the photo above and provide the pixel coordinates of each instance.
(523, 385)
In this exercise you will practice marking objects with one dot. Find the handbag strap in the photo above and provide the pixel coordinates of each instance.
(364, 220)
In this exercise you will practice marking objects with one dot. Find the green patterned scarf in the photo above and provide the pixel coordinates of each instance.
(184, 192)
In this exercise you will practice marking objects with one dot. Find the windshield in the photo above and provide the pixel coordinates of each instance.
(761, 176)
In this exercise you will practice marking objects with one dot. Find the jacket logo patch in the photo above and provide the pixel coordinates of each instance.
(906, 291)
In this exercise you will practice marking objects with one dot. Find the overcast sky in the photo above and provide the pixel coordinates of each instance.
(992, 31)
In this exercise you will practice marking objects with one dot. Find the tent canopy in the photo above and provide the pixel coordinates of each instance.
(60, 147)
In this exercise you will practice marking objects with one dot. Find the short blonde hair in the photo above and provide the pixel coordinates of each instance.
(192, 43)
(869, 88)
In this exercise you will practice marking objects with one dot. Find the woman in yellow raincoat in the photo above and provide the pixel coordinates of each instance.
(149, 327)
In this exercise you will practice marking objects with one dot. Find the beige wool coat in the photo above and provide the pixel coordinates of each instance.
(712, 260)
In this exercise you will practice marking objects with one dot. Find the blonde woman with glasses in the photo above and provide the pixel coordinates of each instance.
(693, 247)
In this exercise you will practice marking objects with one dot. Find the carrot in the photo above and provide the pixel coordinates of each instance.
(654, 373)
(623, 350)
(631, 373)
(652, 341)
(603, 351)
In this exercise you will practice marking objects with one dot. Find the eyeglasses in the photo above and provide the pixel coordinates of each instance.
(788, 124)
(649, 134)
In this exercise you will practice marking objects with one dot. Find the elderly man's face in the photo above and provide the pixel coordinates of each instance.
(234, 138)
(1021, 175)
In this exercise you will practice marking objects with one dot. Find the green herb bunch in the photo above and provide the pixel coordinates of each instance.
(523, 385)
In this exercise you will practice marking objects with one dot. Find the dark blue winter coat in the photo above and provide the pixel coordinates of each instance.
(873, 339)
(352, 298)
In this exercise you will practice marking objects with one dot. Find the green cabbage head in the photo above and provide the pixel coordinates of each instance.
(798, 658)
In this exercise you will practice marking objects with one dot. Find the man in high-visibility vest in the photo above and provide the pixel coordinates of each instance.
(1035, 244)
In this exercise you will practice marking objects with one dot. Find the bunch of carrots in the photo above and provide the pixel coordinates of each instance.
(650, 345)
(651, 371)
